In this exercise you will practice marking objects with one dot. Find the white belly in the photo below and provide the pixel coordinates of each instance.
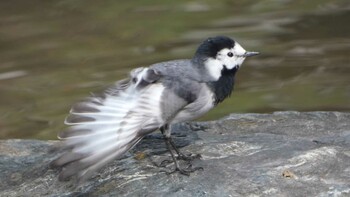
(199, 107)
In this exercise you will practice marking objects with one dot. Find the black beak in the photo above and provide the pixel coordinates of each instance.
(250, 53)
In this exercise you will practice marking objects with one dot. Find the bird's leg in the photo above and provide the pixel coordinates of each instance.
(177, 166)
(167, 135)
(170, 144)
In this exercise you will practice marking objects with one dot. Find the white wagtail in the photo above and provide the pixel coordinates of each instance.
(103, 127)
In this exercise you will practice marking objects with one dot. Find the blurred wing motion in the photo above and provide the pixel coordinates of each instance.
(104, 127)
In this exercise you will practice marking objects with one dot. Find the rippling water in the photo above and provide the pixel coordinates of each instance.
(53, 53)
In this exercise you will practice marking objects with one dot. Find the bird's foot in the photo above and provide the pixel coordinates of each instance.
(189, 157)
(180, 156)
(186, 171)
(164, 163)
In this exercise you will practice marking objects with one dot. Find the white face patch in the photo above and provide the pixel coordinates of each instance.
(230, 58)
(214, 67)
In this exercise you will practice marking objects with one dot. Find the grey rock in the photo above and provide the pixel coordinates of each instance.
(279, 154)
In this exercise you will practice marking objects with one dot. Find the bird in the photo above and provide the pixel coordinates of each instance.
(102, 127)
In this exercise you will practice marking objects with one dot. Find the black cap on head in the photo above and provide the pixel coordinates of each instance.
(211, 46)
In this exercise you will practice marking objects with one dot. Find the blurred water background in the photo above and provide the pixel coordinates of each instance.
(53, 53)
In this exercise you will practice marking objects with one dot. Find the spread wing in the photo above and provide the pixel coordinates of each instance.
(103, 127)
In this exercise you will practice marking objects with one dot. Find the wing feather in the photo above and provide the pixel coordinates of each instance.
(103, 127)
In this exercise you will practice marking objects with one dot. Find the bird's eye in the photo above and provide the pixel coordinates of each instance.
(230, 54)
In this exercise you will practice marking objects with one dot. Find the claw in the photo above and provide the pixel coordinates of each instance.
(188, 157)
(186, 171)
(164, 163)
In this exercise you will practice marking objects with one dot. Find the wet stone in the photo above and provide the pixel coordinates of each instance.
(279, 154)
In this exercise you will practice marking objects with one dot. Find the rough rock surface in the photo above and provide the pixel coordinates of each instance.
(279, 154)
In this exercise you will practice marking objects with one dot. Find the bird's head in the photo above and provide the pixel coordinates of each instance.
(220, 54)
